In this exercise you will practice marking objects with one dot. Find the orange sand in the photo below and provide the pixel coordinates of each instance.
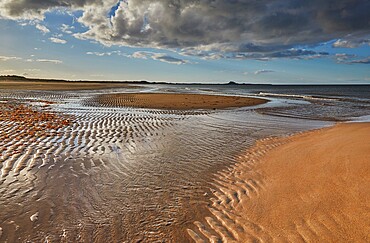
(312, 187)
(177, 101)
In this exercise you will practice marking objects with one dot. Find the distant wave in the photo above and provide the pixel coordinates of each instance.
(306, 97)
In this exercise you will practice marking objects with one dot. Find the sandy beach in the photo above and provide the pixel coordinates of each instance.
(133, 121)
(311, 187)
(177, 101)
(81, 166)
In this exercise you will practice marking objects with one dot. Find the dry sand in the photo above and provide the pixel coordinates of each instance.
(177, 101)
(59, 86)
(311, 187)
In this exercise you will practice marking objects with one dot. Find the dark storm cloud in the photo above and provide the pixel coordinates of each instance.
(169, 59)
(262, 56)
(29, 9)
(249, 26)
(292, 53)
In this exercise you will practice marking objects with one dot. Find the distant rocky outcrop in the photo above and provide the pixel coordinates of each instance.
(232, 83)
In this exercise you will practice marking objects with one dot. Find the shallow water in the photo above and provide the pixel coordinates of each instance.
(124, 174)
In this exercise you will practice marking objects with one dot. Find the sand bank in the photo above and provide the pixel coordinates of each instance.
(177, 101)
(311, 187)
(59, 86)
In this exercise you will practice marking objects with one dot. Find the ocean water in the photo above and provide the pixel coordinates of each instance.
(322, 102)
(125, 174)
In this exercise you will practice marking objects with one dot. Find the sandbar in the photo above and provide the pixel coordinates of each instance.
(176, 101)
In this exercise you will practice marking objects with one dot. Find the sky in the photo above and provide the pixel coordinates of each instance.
(187, 41)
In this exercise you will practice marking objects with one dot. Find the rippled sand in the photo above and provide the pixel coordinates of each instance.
(176, 101)
(312, 187)
(118, 173)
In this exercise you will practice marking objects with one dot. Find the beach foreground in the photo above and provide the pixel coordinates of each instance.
(73, 169)
(310, 187)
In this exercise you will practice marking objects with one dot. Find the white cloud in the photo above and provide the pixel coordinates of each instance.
(57, 40)
(42, 28)
(67, 28)
(213, 56)
(100, 54)
(7, 58)
(263, 71)
(350, 43)
(142, 54)
(343, 44)
(49, 61)
(343, 57)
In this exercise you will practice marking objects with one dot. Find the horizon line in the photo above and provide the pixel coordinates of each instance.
(20, 78)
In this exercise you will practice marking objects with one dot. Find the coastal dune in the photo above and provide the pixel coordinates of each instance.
(311, 187)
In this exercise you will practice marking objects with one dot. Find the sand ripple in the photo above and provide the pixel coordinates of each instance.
(293, 189)
(118, 174)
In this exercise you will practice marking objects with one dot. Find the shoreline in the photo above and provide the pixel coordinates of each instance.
(176, 101)
(311, 186)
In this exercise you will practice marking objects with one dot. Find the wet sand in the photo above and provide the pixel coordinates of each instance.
(54, 85)
(90, 173)
(311, 187)
(176, 101)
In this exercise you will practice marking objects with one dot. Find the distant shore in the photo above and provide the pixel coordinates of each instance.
(18, 79)
(311, 187)
(176, 101)
(59, 85)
